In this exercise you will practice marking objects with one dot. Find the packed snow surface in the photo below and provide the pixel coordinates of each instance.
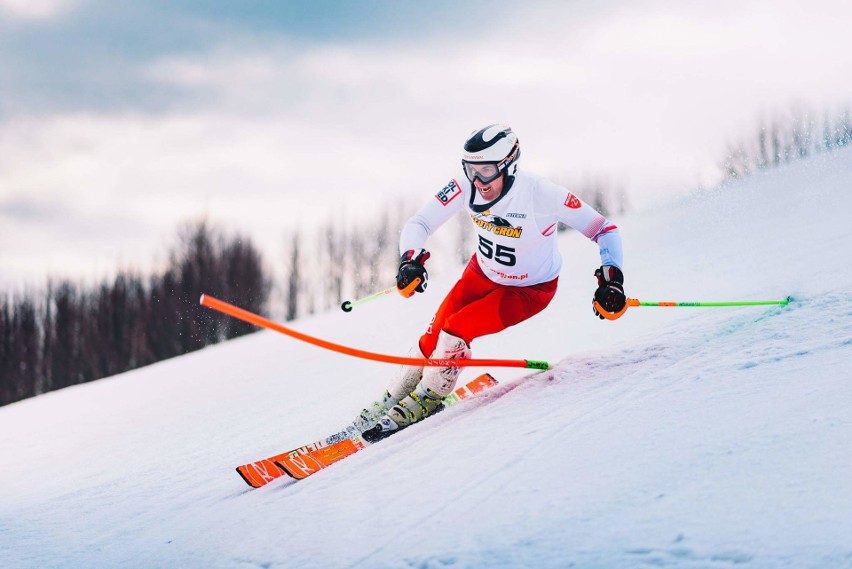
(682, 437)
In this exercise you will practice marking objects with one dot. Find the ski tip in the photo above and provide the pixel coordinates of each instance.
(201, 300)
(245, 478)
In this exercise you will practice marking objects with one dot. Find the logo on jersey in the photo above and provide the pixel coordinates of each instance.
(517, 215)
(505, 276)
(497, 225)
(450, 192)
(573, 202)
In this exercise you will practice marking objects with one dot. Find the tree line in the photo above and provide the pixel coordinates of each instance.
(71, 334)
(787, 137)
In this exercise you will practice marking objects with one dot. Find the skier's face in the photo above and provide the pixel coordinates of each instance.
(490, 190)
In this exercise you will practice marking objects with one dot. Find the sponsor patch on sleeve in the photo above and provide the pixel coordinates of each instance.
(450, 192)
(573, 202)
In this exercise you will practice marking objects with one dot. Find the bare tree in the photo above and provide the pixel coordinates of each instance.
(763, 148)
(294, 284)
(784, 140)
(844, 130)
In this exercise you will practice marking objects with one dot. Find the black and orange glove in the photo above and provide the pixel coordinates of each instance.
(411, 266)
(610, 292)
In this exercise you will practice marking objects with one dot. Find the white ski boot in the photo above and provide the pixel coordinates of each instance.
(415, 406)
(428, 396)
(405, 382)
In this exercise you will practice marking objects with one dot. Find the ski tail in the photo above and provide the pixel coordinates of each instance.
(481, 383)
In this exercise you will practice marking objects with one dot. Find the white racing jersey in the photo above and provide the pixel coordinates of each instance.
(517, 243)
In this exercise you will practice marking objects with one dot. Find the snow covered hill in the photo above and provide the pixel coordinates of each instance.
(685, 437)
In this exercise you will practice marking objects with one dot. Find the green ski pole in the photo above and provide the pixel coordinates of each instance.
(406, 292)
(636, 302)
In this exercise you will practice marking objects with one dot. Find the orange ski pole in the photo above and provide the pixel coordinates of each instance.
(262, 322)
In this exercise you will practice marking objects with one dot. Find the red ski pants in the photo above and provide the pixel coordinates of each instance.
(477, 306)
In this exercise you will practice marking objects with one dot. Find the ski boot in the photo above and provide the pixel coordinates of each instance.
(406, 381)
(427, 398)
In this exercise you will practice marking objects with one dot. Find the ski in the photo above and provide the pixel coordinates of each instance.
(310, 458)
(299, 465)
(264, 471)
(261, 472)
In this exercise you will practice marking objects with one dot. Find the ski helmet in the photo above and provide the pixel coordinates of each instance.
(495, 145)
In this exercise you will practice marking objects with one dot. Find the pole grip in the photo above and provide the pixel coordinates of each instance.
(409, 290)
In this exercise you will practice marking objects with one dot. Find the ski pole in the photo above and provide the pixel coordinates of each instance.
(637, 302)
(262, 322)
(406, 292)
(788, 300)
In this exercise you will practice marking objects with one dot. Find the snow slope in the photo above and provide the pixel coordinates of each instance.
(683, 437)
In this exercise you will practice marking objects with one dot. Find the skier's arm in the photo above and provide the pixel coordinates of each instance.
(573, 211)
(609, 242)
(566, 207)
(412, 238)
(430, 217)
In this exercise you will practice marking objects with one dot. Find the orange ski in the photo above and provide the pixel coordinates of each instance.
(300, 465)
(261, 472)
(264, 471)
(308, 459)
(303, 465)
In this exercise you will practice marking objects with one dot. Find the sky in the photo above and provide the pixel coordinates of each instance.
(121, 120)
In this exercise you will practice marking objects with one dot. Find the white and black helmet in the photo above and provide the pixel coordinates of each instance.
(496, 145)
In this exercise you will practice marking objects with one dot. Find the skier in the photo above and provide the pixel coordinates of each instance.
(511, 276)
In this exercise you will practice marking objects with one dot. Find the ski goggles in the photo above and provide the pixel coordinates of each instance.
(485, 171)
